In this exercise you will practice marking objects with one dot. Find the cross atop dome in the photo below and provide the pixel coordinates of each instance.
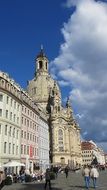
(41, 53)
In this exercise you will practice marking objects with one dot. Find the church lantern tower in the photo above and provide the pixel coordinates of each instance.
(41, 62)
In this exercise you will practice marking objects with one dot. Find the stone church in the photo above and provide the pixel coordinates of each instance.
(65, 145)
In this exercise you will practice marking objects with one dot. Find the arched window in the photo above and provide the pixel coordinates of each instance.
(40, 64)
(58, 108)
(46, 66)
(60, 134)
(60, 140)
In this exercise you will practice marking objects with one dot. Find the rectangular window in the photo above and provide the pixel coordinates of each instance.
(5, 129)
(14, 117)
(17, 135)
(10, 131)
(1, 97)
(14, 104)
(0, 112)
(21, 149)
(14, 132)
(10, 115)
(28, 136)
(24, 149)
(13, 149)
(61, 149)
(0, 128)
(30, 124)
(18, 107)
(27, 123)
(9, 148)
(16, 150)
(22, 134)
(31, 113)
(17, 120)
(22, 120)
(7, 114)
(5, 147)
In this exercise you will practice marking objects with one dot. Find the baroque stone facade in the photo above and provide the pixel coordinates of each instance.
(65, 145)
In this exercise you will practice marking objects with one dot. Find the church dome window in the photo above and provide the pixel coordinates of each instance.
(40, 64)
(46, 65)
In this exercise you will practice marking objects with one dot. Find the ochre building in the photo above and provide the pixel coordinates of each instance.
(65, 145)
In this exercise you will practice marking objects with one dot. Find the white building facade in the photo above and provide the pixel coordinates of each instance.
(43, 142)
(21, 123)
(10, 119)
(90, 151)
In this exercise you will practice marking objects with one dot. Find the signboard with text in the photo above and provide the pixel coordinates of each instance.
(31, 151)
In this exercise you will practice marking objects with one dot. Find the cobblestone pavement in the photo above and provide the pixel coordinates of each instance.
(75, 181)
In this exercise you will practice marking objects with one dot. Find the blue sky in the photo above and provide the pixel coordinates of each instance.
(74, 36)
(25, 25)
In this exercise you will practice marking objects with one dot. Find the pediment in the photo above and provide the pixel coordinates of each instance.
(61, 120)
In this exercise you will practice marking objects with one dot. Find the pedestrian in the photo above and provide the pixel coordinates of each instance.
(94, 175)
(55, 169)
(86, 174)
(48, 178)
(22, 177)
(66, 171)
(2, 179)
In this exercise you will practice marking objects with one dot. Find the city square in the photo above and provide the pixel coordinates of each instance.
(75, 181)
(53, 83)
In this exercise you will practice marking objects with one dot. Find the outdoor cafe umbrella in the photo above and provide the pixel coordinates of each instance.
(13, 164)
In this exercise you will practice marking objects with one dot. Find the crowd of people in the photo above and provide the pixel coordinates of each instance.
(88, 172)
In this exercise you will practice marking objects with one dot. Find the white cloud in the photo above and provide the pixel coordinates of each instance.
(63, 83)
(79, 115)
(82, 63)
(72, 3)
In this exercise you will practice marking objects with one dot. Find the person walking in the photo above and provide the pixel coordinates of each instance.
(86, 174)
(94, 175)
(66, 171)
(48, 178)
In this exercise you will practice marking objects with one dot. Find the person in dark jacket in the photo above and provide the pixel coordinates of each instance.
(47, 178)
(66, 171)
